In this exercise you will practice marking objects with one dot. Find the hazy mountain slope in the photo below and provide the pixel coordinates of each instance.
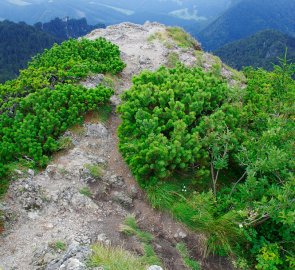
(260, 50)
(111, 11)
(246, 18)
(18, 43)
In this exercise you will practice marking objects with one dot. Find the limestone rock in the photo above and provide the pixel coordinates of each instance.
(155, 267)
(123, 198)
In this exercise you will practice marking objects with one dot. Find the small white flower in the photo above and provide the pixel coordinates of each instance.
(241, 225)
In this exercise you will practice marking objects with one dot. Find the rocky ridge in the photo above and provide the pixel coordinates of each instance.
(53, 217)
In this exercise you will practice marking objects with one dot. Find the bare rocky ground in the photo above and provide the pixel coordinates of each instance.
(51, 225)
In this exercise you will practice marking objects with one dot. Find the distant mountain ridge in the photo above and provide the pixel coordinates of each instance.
(67, 28)
(173, 12)
(246, 18)
(259, 50)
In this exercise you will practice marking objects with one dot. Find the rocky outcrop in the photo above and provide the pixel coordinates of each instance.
(53, 216)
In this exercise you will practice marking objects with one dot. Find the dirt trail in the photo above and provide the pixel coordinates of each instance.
(66, 206)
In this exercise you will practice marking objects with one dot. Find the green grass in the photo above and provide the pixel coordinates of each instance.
(181, 38)
(1, 223)
(114, 258)
(21, 165)
(161, 36)
(150, 257)
(85, 191)
(172, 59)
(104, 113)
(96, 170)
(78, 130)
(65, 143)
(4, 184)
(163, 195)
(130, 227)
(58, 246)
(184, 253)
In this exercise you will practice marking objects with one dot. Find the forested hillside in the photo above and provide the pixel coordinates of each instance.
(18, 43)
(260, 50)
(246, 18)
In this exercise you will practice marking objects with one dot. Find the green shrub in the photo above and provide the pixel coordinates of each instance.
(158, 135)
(44, 101)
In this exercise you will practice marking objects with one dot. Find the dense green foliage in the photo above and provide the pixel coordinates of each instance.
(246, 18)
(159, 134)
(18, 43)
(260, 50)
(38, 106)
(218, 158)
(65, 63)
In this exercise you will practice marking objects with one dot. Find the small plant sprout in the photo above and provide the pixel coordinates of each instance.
(58, 246)
(85, 191)
(95, 170)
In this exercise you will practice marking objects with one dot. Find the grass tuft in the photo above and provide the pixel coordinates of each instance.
(58, 246)
(96, 170)
(172, 59)
(85, 191)
(182, 39)
(184, 253)
(104, 112)
(150, 257)
(65, 143)
(114, 258)
(130, 227)
(162, 195)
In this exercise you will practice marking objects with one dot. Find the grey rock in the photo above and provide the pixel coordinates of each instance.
(74, 257)
(133, 192)
(33, 215)
(43, 256)
(30, 195)
(180, 235)
(116, 181)
(155, 267)
(123, 198)
(96, 131)
(31, 172)
(73, 264)
(52, 172)
(80, 201)
(93, 81)
(103, 239)
(86, 176)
